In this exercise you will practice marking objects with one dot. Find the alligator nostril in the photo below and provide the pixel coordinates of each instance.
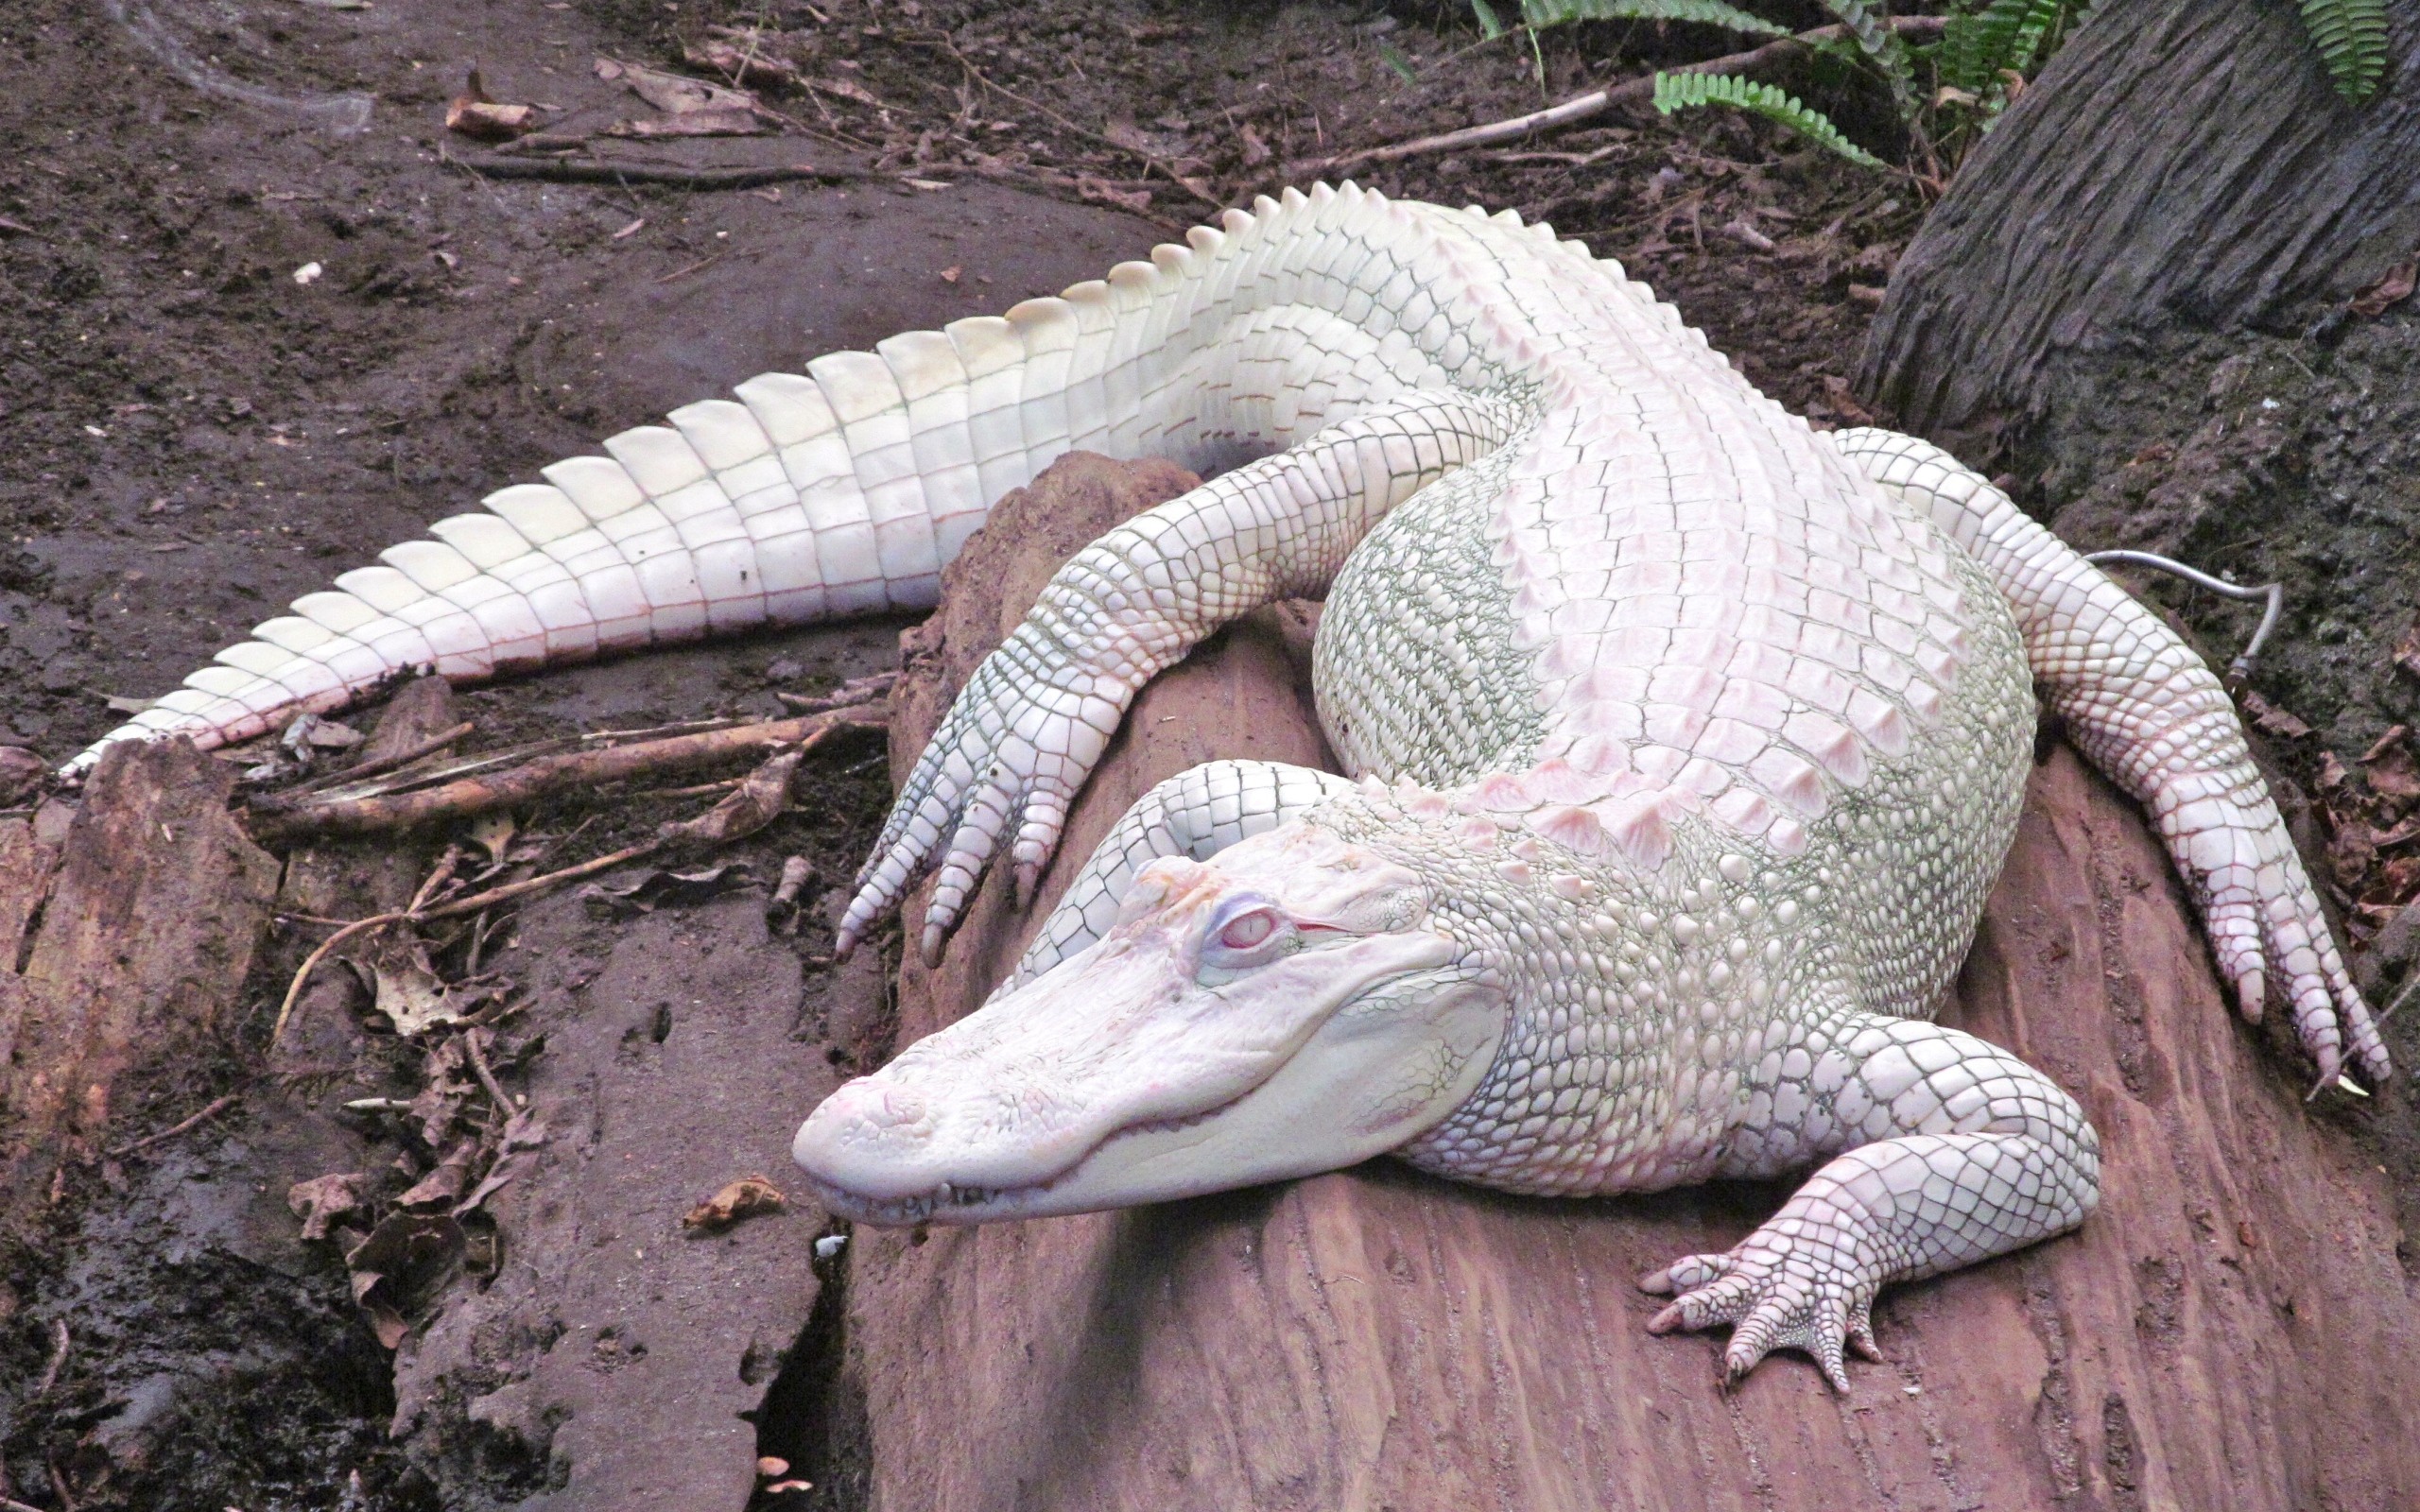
(884, 1108)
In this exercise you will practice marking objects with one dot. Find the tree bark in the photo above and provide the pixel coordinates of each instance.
(2179, 163)
(2230, 1328)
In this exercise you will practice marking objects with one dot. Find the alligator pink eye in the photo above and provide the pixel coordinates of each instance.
(1247, 930)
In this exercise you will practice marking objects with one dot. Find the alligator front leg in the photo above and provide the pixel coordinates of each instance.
(1952, 1151)
(1038, 711)
(2148, 712)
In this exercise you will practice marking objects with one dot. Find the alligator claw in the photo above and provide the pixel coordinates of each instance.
(1777, 1292)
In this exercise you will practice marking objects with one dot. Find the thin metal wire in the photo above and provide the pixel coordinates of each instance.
(2273, 594)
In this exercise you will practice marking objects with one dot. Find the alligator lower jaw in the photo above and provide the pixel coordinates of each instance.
(949, 1204)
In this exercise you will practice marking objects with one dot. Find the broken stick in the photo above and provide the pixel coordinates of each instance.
(535, 778)
(1630, 91)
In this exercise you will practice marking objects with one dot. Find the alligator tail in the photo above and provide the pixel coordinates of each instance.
(845, 490)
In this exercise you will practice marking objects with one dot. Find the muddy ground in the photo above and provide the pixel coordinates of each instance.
(191, 436)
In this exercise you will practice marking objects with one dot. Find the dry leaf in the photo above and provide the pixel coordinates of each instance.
(493, 832)
(2387, 292)
(1099, 193)
(1835, 393)
(443, 1186)
(409, 990)
(401, 1261)
(743, 1198)
(747, 808)
(1255, 146)
(742, 59)
(472, 113)
(2275, 720)
(675, 95)
(741, 122)
(2407, 652)
(848, 89)
(323, 1199)
(655, 888)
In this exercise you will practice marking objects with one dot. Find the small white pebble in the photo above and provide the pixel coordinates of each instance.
(829, 1246)
(1914, 1391)
(309, 274)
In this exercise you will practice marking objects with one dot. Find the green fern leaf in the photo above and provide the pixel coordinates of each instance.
(1879, 40)
(1678, 92)
(1488, 26)
(2350, 35)
(1701, 12)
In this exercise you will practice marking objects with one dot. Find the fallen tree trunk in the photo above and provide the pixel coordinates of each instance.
(2231, 1329)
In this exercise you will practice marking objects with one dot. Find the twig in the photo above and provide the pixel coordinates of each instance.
(1554, 117)
(383, 764)
(551, 774)
(561, 170)
(487, 1076)
(522, 889)
(311, 963)
(9, 1504)
(174, 1129)
(57, 1357)
(1150, 160)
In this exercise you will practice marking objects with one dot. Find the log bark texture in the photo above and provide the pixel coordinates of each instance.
(2180, 162)
(142, 918)
(2232, 1328)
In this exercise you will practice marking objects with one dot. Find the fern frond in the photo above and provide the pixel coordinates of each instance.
(1489, 27)
(2350, 35)
(1879, 42)
(1701, 12)
(1678, 92)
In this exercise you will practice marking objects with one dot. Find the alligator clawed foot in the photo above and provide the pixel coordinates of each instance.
(1777, 1292)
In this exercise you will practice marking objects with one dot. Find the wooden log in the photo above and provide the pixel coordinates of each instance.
(149, 925)
(2231, 1329)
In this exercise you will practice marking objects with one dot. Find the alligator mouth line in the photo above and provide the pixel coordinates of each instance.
(947, 1197)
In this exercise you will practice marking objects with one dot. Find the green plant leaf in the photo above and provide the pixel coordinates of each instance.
(1701, 12)
(1394, 58)
(1879, 42)
(2350, 37)
(1680, 92)
(1490, 25)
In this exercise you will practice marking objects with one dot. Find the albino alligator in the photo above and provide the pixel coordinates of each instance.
(1690, 742)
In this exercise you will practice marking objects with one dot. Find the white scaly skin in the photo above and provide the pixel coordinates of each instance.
(1694, 741)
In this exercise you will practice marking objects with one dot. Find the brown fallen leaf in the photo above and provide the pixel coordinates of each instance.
(743, 1198)
(401, 1261)
(742, 58)
(2407, 651)
(409, 990)
(2387, 292)
(2387, 741)
(320, 1201)
(694, 123)
(848, 89)
(444, 1185)
(2276, 721)
(472, 113)
(747, 808)
(1099, 193)
(675, 93)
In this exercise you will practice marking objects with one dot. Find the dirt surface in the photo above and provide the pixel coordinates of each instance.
(191, 436)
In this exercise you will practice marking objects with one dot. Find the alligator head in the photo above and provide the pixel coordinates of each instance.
(1294, 1006)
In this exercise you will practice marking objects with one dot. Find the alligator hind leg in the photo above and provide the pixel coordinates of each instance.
(1948, 1150)
(1196, 814)
(2148, 712)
